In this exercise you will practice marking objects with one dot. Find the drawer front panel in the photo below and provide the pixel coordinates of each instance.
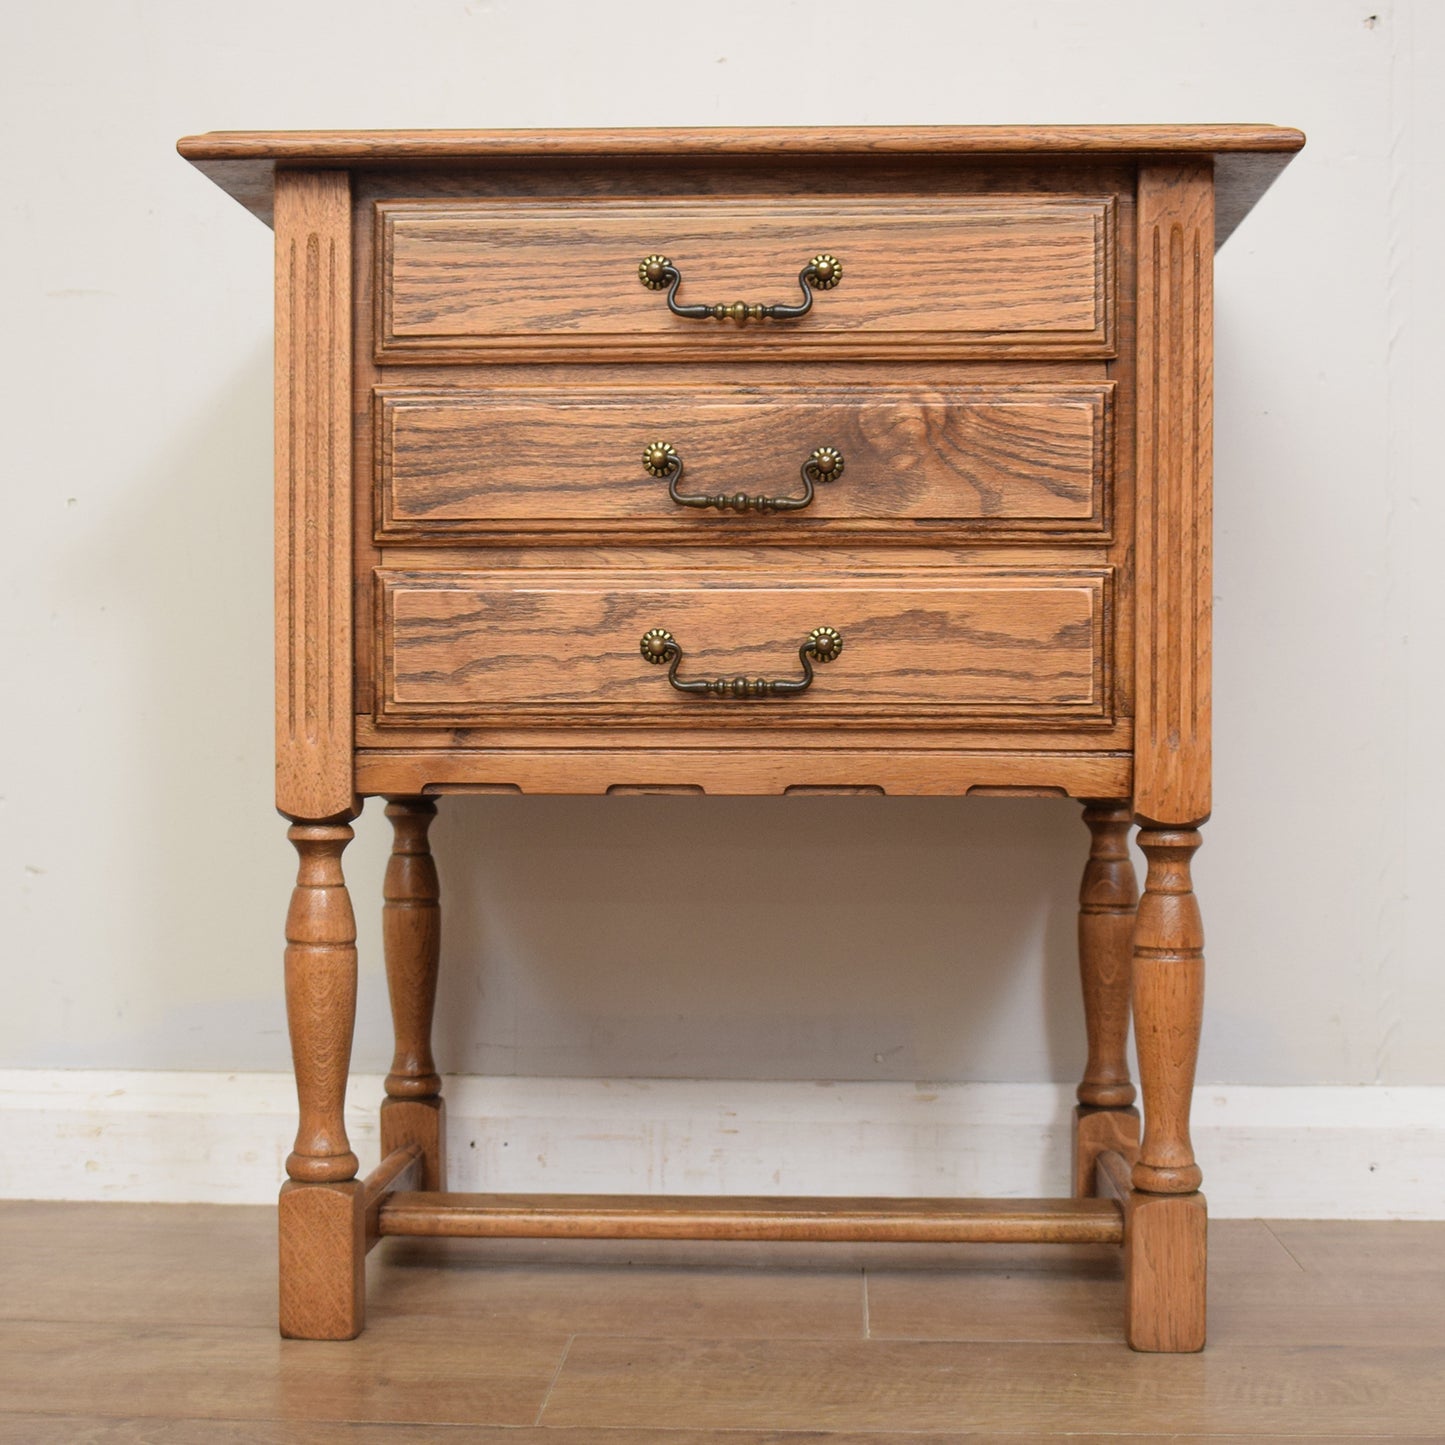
(955, 276)
(494, 646)
(1026, 457)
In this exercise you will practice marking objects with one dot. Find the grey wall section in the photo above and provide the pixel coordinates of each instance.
(143, 876)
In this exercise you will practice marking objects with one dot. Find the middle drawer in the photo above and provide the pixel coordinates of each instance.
(974, 460)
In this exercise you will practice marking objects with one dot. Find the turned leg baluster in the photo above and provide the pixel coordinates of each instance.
(1168, 1009)
(1165, 1232)
(321, 1223)
(1108, 898)
(321, 1002)
(413, 1112)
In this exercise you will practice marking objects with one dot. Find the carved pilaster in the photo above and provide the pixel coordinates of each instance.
(313, 494)
(1174, 506)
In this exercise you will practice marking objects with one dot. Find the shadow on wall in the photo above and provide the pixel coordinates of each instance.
(760, 938)
(783, 938)
(177, 963)
(192, 565)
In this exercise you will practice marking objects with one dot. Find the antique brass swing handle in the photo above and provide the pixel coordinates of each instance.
(661, 460)
(823, 272)
(822, 644)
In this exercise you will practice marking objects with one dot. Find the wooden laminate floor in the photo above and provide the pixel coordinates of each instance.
(156, 1323)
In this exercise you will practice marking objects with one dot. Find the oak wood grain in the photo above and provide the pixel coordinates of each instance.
(1166, 1248)
(800, 177)
(1172, 525)
(534, 278)
(786, 141)
(400, 1168)
(1108, 897)
(321, 1238)
(1165, 1274)
(581, 1216)
(883, 559)
(313, 494)
(320, 1002)
(997, 460)
(529, 570)
(1096, 1132)
(1020, 344)
(411, 937)
(321, 1214)
(421, 1123)
(1247, 158)
(474, 647)
(742, 772)
(1168, 998)
(973, 737)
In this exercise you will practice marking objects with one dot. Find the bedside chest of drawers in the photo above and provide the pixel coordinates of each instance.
(745, 462)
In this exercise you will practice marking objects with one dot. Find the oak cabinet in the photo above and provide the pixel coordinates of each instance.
(746, 462)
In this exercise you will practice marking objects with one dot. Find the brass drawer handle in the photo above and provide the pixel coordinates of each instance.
(822, 644)
(823, 272)
(661, 460)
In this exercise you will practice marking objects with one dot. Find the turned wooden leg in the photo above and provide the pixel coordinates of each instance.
(1108, 897)
(321, 1220)
(413, 1112)
(1166, 1226)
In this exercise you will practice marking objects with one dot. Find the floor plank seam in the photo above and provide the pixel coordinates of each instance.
(867, 1323)
(630, 1433)
(552, 1383)
(1270, 1229)
(844, 1341)
(986, 1341)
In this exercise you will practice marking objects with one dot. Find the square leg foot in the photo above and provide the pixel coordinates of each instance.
(1165, 1254)
(422, 1122)
(322, 1229)
(1096, 1130)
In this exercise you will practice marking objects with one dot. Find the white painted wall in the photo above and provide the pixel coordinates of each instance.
(143, 875)
(1312, 1152)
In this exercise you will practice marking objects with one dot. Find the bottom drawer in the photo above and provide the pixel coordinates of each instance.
(479, 648)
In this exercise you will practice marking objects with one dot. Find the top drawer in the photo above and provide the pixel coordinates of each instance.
(961, 276)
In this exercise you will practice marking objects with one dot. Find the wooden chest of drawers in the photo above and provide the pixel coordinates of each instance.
(746, 462)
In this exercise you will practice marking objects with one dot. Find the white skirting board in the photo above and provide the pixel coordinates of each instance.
(1301, 1153)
